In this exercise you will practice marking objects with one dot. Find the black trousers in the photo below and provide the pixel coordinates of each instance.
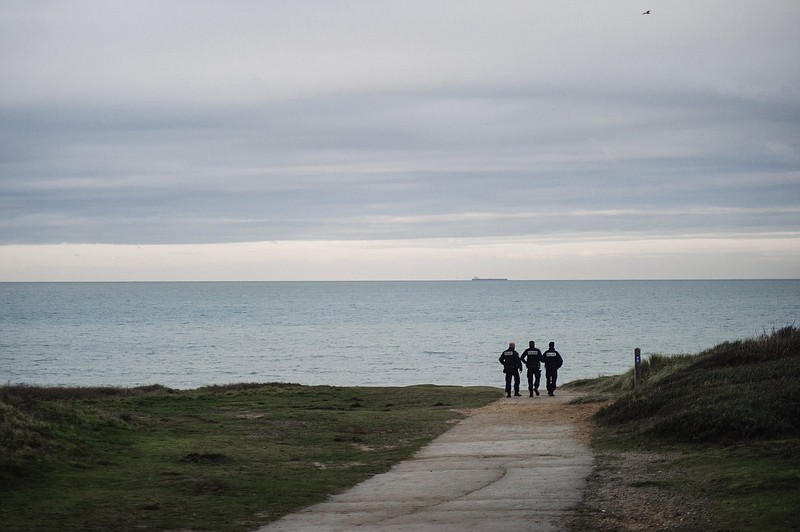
(534, 385)
(551, 375)
(512, 374)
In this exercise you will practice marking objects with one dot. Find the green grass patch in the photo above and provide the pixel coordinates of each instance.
(732, 412)
(756, 487)
(216, 458)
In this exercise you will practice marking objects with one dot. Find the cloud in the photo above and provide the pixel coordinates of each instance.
(208, 122)
(576, 256)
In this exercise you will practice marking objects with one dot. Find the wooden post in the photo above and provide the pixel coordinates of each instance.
(637, 360)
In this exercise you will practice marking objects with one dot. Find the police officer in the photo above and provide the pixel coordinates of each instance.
(552, 361)
(512, 365)
(532, 358)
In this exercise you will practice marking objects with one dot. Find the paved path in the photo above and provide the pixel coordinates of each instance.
(514, 465)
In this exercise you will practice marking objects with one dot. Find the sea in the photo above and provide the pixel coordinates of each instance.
(186, 335)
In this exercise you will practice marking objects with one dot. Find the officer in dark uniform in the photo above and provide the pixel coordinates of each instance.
(512, 365)
(552, 361)
(532, 358)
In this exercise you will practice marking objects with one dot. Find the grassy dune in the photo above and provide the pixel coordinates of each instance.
(729, 418)
(218, 458)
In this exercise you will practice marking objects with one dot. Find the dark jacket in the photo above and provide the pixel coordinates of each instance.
(552, 359)
(532, 358)
(510, 361)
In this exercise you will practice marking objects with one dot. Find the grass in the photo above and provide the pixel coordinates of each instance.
(237, 457)
(732, 413)
(217, 458)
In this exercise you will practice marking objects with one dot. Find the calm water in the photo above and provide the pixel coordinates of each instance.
(185, 335)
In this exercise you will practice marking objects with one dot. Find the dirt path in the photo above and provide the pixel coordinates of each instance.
(520, 463)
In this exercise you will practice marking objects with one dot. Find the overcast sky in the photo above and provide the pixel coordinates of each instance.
(399, 139)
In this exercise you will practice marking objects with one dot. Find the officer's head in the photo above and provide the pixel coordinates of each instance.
(511, 345)
(552, 345)
(532, 343)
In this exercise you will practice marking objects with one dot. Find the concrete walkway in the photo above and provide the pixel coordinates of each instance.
(513, 465)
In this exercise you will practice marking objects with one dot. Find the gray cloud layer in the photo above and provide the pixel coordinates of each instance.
(188, 122)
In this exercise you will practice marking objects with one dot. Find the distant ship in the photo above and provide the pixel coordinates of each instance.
(489, 279)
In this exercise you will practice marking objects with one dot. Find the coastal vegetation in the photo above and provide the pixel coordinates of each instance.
(217, 458)
(725, 423)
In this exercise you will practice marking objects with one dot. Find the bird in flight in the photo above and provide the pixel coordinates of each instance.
(647, 12)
